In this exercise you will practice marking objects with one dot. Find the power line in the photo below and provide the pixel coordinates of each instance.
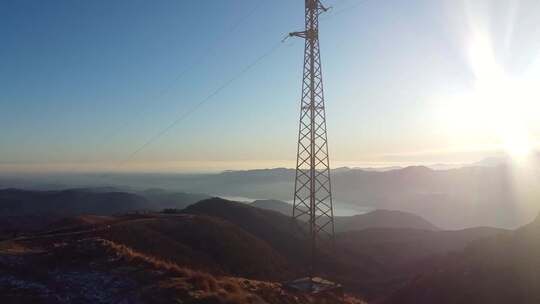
(203, 101)
(202, 55)
(200, 58)
(190, 111)
(213, 46)
(218, 90)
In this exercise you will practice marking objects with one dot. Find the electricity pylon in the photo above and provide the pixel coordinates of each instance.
(313, 192)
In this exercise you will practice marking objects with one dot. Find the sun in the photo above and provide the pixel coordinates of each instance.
(518, 145)
(499, 110)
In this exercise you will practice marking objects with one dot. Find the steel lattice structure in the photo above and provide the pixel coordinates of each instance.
(313, 193)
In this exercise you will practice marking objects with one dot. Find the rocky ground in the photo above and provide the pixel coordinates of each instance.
(95, 270)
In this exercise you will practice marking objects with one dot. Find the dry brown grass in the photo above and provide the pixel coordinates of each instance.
(11, 247)
(204, 288)
(200, 280)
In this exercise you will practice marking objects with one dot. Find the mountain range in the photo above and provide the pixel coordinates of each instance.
(482, 194)
(29, 210)
(37, 205)
(451, 199)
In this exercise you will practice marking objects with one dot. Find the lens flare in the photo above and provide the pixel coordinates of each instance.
(499, 109)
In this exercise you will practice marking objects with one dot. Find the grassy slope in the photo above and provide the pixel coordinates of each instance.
(202, 242)
(96, 270)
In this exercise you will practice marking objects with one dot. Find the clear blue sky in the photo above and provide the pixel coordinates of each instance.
(86, 83)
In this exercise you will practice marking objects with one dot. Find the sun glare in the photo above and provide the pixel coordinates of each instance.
(500, 109)
(517, 145)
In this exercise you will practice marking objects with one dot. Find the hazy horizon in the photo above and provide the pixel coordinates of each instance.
(215, 166)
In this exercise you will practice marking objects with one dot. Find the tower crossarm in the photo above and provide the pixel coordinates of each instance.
(311, 31)
(307, 34)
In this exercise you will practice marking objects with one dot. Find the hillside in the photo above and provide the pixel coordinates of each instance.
(225, 238)
(81, 221)
(270, 226)
(30, 211)
(371, 262)
(97, 201)
(202, 242)
(95, 270)
(503, 269)
(12, 226)
(377, 261)
(274, 205)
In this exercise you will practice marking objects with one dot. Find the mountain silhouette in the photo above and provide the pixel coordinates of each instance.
(15, 202)
(455, 198)
(450, 199)
(370, 261)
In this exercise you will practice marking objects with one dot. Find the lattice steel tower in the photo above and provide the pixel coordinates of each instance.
(313, 194)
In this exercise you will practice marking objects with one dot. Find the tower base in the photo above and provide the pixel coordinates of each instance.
(314, 285)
